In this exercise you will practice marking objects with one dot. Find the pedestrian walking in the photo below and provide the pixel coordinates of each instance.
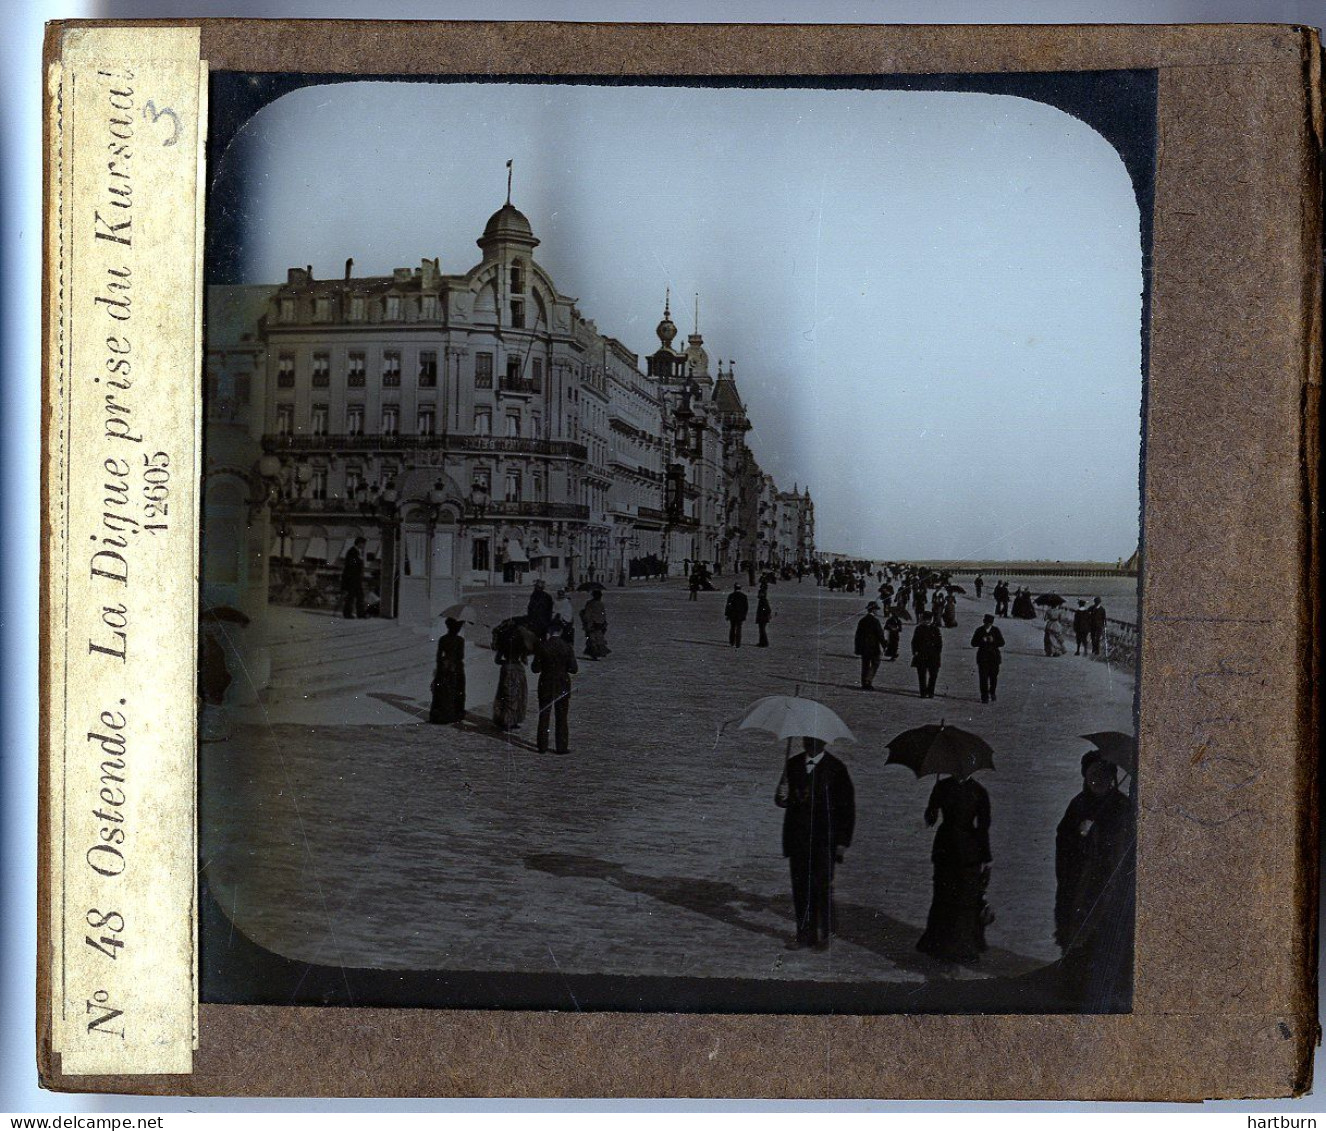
(819, 813)
(563, 616)
(979, 584)
(555, 664)
(951, 611)
(352, 581)
(539, 611)
(448, 686)
(870, 644)
(694, 585)
(892, 635)
(1081, 628)
(1092, 843)
(738, 605)
(594, 618)
(988, 640)
(955, 927)
(1054, 632)
(763, 615)
(927, 649)
(1096, 619)
(511, 648)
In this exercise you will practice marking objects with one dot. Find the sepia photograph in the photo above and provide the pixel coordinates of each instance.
(673, 546)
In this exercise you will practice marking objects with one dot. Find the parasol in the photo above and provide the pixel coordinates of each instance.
(1116, 747)
(940, 749)
(790, 716)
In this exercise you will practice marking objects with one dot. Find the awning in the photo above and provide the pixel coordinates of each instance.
(374, 547)
(276, 548)
(300, 551)
(515, 553)
(537, 549)
(317, 548)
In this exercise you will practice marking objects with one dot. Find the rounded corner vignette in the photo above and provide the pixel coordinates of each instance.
(709, 583)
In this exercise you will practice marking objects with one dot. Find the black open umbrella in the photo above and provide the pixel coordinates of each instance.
(1053, 600)
(955, 589)
(1116, 747)
(941, 749)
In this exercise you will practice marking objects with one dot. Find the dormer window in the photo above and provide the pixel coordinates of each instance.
(322, 310)
(287, 310)
(393, 308)
(357, 308)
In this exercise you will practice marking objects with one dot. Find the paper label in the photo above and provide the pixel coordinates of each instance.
(121, 543)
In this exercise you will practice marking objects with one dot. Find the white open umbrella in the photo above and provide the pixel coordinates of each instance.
(791, 716)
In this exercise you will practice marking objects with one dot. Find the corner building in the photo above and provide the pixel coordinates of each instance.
(475, 429)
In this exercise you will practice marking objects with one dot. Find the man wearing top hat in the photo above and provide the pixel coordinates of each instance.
(870, 644)
(987, 640)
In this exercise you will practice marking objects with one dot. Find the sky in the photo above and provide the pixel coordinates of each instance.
(933, 300)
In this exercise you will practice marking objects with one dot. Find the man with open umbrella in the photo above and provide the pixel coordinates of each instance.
(927, 650)
(988, 640)
(819, 813)
(870, 644)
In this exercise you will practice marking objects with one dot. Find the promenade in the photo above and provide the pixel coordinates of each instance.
(340, 829)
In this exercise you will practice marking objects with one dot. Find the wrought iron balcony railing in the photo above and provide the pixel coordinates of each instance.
(383, 442)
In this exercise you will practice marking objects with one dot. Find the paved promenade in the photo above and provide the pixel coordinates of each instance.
(341, 829)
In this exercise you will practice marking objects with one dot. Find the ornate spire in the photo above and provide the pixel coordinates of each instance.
(667, 329)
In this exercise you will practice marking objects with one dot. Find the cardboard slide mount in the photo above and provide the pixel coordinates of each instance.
(1225, 983)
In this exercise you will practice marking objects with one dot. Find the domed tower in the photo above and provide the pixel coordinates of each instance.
(507, 230)
(666, 363)
(667, 329)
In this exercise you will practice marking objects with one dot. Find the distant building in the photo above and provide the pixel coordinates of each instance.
(475, 429)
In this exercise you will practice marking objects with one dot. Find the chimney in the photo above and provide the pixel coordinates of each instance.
(349, 266)
(309, 270)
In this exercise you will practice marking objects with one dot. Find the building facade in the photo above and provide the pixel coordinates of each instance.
(476, 429)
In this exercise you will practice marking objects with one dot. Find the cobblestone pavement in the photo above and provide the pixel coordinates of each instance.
(340, 829)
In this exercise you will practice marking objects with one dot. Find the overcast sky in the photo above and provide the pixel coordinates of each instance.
(933, 299)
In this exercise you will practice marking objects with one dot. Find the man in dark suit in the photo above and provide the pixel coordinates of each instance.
(869, 645)
(927, 646)
(987, 640)
(352, 581)
(539, 611)
(1096, 625)
(1081, 627)
(892, 634)
(738, 605)
(819, 812)
(555, 663)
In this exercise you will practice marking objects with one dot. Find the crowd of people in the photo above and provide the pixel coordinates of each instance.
(1093, 840)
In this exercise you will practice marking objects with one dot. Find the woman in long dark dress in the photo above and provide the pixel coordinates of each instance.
(448, 704)
(510, 650)
(955, 929)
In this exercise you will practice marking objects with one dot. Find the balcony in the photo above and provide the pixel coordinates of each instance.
(521, 386)
(377, 442)
(574, 511)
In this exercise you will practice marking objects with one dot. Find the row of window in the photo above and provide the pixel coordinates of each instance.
(356, 370)
(390, 421)
(394, 307)
(324, 309)
(482, 477)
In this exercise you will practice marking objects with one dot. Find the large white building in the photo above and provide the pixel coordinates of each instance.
(474, 428)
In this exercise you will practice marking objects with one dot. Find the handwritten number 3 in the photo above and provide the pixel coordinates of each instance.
(154, 115)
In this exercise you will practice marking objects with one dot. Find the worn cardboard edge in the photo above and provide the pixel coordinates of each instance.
(1304, 880)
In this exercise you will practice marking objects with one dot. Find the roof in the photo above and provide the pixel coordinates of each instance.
(507, 223)
(726, 397)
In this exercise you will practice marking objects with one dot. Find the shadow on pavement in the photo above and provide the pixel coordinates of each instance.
(866, 927)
